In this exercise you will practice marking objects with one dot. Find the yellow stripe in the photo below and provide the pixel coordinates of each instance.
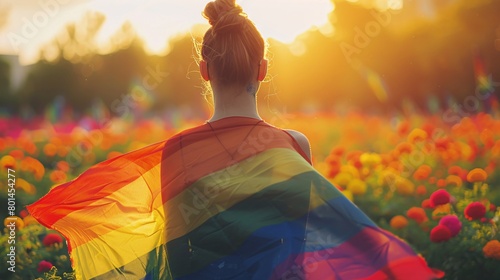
(205, 198)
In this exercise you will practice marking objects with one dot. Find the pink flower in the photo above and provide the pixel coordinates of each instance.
(452, 223)
(44, 266)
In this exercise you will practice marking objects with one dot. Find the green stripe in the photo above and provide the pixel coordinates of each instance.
(225, 232)
(154, 263)
(222, 234)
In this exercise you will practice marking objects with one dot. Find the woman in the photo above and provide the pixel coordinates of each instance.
(234, 198)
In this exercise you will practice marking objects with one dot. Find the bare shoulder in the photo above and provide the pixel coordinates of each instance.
(301, 140)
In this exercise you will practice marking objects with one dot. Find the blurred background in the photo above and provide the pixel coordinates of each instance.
(398, 98)
(68, 59)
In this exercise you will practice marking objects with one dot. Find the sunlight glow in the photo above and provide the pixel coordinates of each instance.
(155, 20)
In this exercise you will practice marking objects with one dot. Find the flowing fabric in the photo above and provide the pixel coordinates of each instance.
(236, 201)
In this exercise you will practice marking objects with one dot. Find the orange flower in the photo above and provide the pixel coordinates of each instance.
(417, 214)
(432, 180)
(58, 176)
(62, 151)
(338, 151)
(454, 180)
(50, 149)
(63, 166)
(33, 165)
(492, 249)
(403, 127)
(441, 183)
(421, 190)
(403, 148)
(477, 175)
(398, 222)
(455, 170)
(422, 172)
(17, 154)
(427, 204)
(24, 185)
(487, 138)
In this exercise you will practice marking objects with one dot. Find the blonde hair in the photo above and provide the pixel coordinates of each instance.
(232, 47)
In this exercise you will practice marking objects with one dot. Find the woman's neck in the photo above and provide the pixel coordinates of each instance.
(231, 102)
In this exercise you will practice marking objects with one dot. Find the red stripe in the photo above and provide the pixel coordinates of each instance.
(97, 182)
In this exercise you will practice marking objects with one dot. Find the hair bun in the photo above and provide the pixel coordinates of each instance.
(224, 15)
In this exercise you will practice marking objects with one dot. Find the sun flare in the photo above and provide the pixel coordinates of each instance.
(155, 21)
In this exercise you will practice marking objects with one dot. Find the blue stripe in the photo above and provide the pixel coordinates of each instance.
(327, 226)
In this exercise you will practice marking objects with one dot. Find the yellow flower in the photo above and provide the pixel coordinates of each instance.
(17, 220)
(370, 159)
(387, 177)
(404, 186)
(454, 180)
(440, 211)
(29, 220)
(417, 135)
(357, 187)
(348, 194)
(351, 170)
(342, 179)
(492, 249)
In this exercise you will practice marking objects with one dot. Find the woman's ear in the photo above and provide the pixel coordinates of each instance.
(262, 70)
(204, 70)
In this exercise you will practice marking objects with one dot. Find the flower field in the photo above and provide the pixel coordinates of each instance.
(431, 182)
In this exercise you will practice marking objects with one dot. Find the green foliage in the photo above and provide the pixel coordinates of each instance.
(30, 252)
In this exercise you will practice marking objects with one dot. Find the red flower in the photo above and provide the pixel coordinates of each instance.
(427, 204)
(44, 266)
(475, 211)
(440, 197)
(24, 213)
(485, 220)
(51, 238)
(452, 223)
(493, 208)
(440, 233)
(417, 214)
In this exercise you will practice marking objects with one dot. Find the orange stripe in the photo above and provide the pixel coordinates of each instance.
(137, 203)
(97, 182)
(201, 155)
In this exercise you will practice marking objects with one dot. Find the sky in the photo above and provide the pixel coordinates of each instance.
(25, 26)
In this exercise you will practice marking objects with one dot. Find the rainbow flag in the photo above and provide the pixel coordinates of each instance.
(236, 201)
